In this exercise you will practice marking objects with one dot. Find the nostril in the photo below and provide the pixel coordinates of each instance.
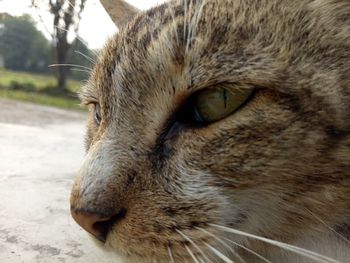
(103, 227)
(96, 224)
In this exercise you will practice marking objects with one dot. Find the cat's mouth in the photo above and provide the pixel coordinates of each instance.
(103, 227)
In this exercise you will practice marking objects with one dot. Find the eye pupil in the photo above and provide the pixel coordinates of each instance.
(197, 116)
(97, 114)
(225, 98)
(97, 118)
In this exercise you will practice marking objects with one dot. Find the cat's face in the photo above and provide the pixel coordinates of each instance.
(266, 167)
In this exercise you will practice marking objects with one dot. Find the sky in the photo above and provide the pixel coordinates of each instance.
(95, 26)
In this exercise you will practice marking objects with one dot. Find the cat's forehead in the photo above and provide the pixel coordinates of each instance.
(148, 48)
(183, 44)
(198, 37)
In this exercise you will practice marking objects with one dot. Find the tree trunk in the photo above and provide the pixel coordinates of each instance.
(61, 79)
(64, 12)
(62, 50)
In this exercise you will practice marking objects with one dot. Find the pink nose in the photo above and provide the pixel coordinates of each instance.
(96, 224)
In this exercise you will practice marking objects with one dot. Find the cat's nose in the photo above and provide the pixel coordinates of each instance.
(96, 224)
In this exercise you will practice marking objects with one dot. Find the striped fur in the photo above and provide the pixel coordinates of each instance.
(278, 168)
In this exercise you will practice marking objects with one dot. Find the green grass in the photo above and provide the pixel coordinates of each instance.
(37, 89)
(39, 81)
(41, 99)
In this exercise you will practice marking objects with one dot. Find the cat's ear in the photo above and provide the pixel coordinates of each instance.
(119, 11)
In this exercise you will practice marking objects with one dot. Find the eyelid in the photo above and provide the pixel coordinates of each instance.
(91, 105)
(89, 102)
(88, 95)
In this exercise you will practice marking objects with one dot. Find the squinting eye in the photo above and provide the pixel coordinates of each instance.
(97, 113)
(215, 104)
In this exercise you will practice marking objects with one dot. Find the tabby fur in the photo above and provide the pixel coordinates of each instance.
(279, 167)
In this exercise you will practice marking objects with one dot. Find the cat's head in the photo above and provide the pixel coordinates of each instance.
(204, 113)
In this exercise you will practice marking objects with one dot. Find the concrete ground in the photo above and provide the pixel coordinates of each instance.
(40, 150)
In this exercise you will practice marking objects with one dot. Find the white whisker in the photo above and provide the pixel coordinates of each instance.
(219, 254)
(295, 249)
(155, 260)
(194, 24)
(71, 5)
(81, 70)
(85, 56)
(250, 251)
(69, 65)
(330, 228)
(172, 13)
(189, 30)
(185, 19)
(191, 254)
(78, 38)
(223, 243)
(193, 244)
(170, 255)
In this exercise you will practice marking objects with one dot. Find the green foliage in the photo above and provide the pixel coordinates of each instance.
(41, 99)
(22, 46)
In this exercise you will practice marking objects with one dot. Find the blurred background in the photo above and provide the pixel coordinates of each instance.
(37, 33)
(42, 124)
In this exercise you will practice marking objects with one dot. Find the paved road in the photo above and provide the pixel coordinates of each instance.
(40, 149)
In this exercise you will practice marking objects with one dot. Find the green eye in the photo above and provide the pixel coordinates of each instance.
(215, 104)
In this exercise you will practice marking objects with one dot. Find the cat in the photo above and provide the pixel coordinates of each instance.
(219, 131)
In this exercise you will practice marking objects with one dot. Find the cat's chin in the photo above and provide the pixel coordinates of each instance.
(111, 252)
(145, 259)
(117, 253)
(121, 253)
(99, 243)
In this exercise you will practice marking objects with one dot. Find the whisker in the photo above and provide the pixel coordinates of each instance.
(193, 244)
(172, 13)
(85, 56)
(295, 249)
(330, 228)
(170, 255)
(189, 30)
(155, 260)
(69, 65)
(82, 70)
(78, 12)
(222, 242)
(194, 24)
(79, 38)
(191, 254)
(250, 251)
(185, 19)
(167, 43)
(219, 254)
(70, 3)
